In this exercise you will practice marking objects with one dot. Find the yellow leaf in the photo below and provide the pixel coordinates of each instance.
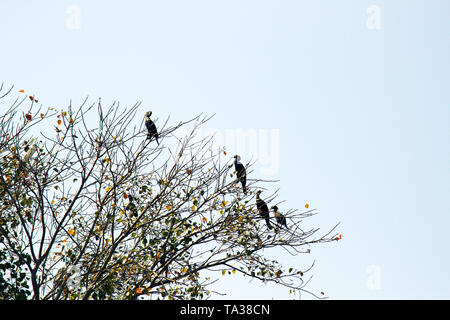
(306, 206)
(168, 207)
(223, 272)
(71, 232)
(234, 271)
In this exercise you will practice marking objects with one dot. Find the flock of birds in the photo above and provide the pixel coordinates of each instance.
(261, 205)
(263, 210)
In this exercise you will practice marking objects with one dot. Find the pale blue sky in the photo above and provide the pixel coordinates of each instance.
(363, 115)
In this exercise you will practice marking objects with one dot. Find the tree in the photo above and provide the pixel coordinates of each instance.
(66, 231)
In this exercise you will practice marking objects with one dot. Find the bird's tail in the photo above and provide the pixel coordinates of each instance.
(268, 223)
(149, 137)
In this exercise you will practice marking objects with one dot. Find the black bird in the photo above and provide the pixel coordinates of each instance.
(281, 219)
(240, 172)
(263, 209)
(131, 206)
(151, 128)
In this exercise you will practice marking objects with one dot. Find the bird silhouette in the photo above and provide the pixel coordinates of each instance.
(263, 209)
(240, 172)
(151, 128)
(281, 219)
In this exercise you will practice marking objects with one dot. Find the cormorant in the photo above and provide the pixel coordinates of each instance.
(281, 219)
(263, 209)
(151, 128)
(131, 206)
(240, 172)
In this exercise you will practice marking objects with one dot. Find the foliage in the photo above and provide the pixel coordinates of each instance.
(65, 231)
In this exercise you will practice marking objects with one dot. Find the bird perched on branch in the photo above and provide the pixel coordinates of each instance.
(281, 219)
(240, 172)
(131, 206)
(263, 209)
(151, 128)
